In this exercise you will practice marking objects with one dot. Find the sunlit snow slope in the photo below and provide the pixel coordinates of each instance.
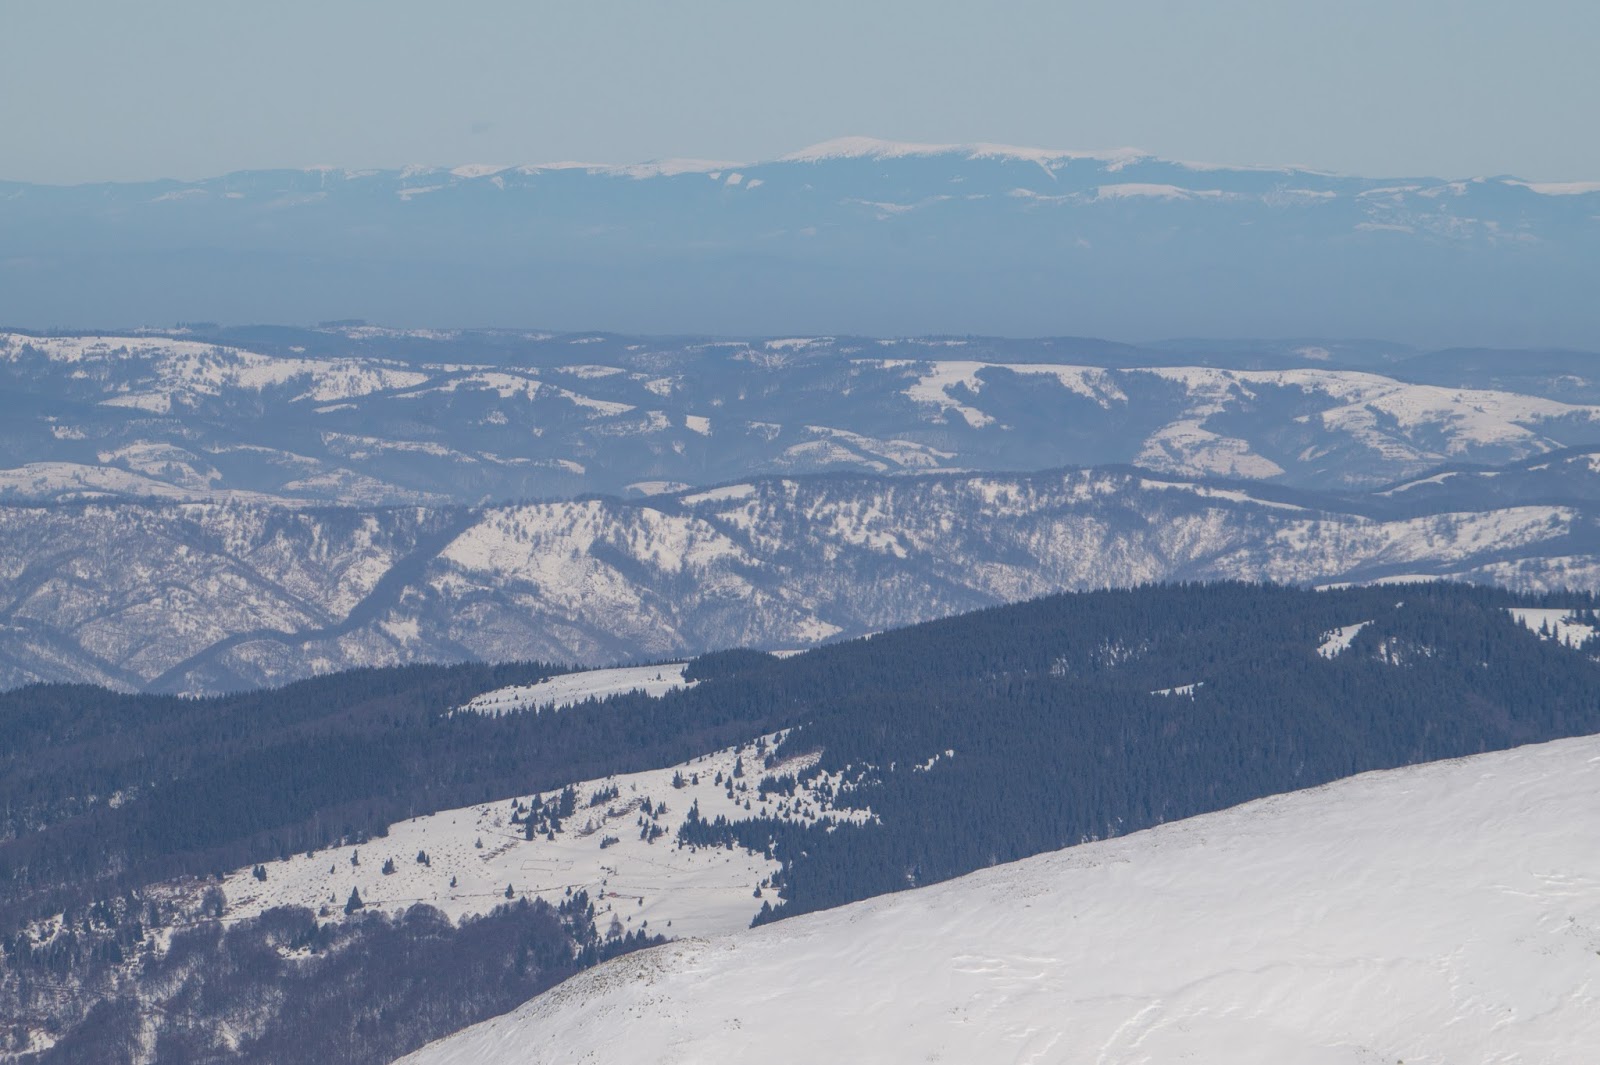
(638, 878)
(1442, 913)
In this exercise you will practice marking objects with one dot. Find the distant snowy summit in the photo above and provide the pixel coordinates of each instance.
(853, 235)
(876, 148)
(850, 147)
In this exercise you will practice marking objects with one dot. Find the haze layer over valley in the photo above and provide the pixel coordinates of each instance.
(976, 238)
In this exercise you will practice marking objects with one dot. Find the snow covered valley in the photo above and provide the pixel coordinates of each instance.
(1436, 914)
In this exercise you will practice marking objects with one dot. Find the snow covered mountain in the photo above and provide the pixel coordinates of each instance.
(1442, 912)
(640, 879)
(959, 239)
(198, 597)
(357, 415)
(215, 508)
(256, 876)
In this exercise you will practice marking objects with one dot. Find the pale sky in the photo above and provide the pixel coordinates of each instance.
(116, 90)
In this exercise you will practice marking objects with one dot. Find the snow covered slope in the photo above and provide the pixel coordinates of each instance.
(1441, 913)
(619, 845)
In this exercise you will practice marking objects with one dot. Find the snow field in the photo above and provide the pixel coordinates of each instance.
(1441, 913)
(659, 886)
(570, 689)
(1337, 642)
(1555, 625)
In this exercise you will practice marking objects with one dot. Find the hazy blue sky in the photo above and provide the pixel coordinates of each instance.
(188, 88)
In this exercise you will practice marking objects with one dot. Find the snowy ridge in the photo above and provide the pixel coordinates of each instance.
(199, 421)
(1395, 421)
(1445, 912)
(72, 481)
(873, 148)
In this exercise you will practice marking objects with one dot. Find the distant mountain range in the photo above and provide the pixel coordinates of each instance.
(362, 415)
(220, 508)
(855, 235)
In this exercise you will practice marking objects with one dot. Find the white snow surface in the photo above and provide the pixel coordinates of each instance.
(1337, 642)
(679, 891)
(1441, 913)
(1558, 625)
(570, 689)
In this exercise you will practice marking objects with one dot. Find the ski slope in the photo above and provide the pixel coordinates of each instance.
(1441, 913)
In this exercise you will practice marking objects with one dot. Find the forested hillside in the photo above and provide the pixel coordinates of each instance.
(937, 749)
(105, 792)
(992, 736)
